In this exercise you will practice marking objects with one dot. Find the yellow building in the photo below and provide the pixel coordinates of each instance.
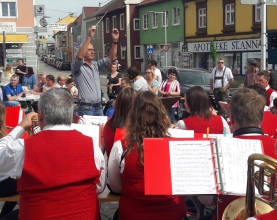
(234, 28)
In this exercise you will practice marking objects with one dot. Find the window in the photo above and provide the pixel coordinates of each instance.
(136, 24)
(165, 19)
(123, 52)
(8, 9)
(145, 21)
(256, 17)
(202, 18)
(98, 31)
(258, 13)
(137, 52)
(229, 14)
(176, 16)
(114, 21)
(154, 20)
(122, 23)
(107, 25)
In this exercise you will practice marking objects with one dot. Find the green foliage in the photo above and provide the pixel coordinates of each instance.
(213, 52)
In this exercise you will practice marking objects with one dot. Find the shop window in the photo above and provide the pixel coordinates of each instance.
(154, 20)
(201, 17)
(145, 22)
(257, 16)
(229, 15)
(8, 9)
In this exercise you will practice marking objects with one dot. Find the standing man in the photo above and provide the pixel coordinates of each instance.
(61, 82)
(220, 81)
(21, 70)
(263, 78)
(251, 74)
(12, 92)
(86, 74)
(52, 185)
(158, 75)
(273, 79)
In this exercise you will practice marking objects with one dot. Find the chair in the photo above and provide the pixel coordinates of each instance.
(14, 116)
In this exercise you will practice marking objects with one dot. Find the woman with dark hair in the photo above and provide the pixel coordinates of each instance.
(146, 119)
(140, 83)
(50, 83)
(70, 86)
(171, 88)
(29, 79)
(123, 105)
(8, 185)
(201, 117)
(113, 81)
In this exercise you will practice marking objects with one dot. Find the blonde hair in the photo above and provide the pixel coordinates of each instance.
(9, 71)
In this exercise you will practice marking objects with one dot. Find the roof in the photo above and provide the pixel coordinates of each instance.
(149, 2)
(67, 20)
(79, 20)
(109, 7)
(89, 10)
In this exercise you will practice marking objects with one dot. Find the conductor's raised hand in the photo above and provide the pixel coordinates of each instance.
(91, 31)
(115, 34)
(27, 123)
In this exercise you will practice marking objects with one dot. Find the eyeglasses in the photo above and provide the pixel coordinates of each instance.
(220, 62)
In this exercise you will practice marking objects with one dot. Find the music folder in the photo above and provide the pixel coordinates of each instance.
(186, 166)
(168, 102)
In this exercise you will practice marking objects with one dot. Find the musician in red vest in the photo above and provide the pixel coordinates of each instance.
(247, 112)
(268, 216)
(60, 171)
(263, 78)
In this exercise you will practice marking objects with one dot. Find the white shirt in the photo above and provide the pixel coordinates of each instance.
(272, 97)
(59, 86)
(140, 85)
(251, 218)
(159, 76)
(227, 76)
(181, 124)
(12, 155)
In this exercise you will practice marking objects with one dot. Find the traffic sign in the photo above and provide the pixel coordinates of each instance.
(16, 51)
(254, 2)
(165, 47)
(40, 29)
(15, 55)
(150, 50)
(39, 10)
(57, 27)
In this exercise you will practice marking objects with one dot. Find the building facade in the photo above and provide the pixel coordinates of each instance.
(234, 28)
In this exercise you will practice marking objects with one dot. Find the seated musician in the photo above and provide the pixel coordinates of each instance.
(124, 99)
(147, 118)
(12, 92)
(60, 171)
(268, 216)
(247, 113)
(199, 106)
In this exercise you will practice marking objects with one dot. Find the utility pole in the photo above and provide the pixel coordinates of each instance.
(263, 35)
(4, 50)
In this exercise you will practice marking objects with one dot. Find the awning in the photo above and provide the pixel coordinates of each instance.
(15, 38)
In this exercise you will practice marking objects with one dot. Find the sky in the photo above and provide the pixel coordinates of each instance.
(61, 8)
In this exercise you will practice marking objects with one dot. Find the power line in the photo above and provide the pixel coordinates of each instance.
(62, 11)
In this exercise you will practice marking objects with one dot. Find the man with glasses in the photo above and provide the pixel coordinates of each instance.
(220, 81)
(12, 92)
(85, 72)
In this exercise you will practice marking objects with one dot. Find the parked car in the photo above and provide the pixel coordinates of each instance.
(42, 57)
(187, 79)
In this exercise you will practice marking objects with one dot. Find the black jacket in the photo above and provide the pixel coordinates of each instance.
(273, 80)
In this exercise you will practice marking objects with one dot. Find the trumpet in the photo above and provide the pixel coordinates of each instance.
(35, 127)
(265, 181)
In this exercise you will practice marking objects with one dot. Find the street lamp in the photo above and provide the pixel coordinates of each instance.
(165, 30)
(37, 41)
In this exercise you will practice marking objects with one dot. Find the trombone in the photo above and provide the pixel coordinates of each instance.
(265, 181)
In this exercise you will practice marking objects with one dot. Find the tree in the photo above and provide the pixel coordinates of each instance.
(213, 53)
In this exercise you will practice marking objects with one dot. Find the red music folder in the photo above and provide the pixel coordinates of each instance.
(182, 166)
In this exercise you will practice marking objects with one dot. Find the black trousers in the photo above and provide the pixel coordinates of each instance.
(8, 187)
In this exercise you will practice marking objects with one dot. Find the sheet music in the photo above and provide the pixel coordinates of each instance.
(234, 153)
(179, 133)
(192, 170)
(95, 120)
(88, 130)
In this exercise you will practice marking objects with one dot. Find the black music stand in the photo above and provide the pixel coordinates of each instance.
(169, 101)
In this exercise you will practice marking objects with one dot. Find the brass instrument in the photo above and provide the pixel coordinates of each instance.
(265, 181)
(33, 130)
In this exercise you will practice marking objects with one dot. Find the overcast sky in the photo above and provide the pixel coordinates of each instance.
(61, 8)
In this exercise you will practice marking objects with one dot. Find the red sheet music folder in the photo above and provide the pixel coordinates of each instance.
(157, 173)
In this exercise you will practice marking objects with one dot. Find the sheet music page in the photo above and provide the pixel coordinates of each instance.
(179, 133)
(234, 155)
(95, 120)
(192, 170)
(88, 130)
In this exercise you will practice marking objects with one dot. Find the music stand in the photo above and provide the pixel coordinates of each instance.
(169, 101)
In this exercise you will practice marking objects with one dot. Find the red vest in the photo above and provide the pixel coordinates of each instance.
(268, 216)
(268, 144)
(268, 93)
(269, 124)
(135, 205)
(199, 125)
(59, 177)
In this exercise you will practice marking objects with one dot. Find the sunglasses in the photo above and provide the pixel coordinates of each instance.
(220, 62)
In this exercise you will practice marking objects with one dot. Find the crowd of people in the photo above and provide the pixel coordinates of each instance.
(67, 170)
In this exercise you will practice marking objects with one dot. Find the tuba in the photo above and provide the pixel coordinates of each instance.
(265, 181)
